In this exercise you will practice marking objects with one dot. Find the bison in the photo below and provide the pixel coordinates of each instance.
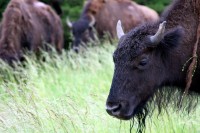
(153, 56)
(27, 24)
(103, 16)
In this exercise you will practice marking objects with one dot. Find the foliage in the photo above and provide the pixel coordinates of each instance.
(3, 4)
(67, 93)
(157, 5)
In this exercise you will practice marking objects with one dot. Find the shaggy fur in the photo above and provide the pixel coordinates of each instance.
(27, 24)
(143, 68)
(106, 14)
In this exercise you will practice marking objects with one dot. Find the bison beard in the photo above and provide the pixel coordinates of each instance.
(162, 100)
(26, 24)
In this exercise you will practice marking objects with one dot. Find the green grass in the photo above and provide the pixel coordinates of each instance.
(67, 94)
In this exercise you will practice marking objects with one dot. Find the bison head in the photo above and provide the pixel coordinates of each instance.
(82, 31)
(140, 67)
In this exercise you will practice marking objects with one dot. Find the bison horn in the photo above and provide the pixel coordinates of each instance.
(91, 24)
(159, 34)
(69, 23)
(119, 29)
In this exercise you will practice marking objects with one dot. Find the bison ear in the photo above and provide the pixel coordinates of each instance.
(172, 38)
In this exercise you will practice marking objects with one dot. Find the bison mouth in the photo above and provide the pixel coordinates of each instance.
(126, 110)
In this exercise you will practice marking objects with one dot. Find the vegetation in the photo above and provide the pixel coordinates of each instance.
(3, 4)
(157, 5)
(67, 93)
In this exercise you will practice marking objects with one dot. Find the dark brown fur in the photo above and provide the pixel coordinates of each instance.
(143, 68)
(27, 24)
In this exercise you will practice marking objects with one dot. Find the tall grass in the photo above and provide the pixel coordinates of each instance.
(67, 94)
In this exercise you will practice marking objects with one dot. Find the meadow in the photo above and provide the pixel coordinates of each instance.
(67, 94)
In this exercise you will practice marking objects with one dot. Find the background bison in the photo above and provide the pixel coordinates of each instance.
(103, 16)
(153, 56)
(27, 24)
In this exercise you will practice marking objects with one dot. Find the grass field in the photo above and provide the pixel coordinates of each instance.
(67, 94)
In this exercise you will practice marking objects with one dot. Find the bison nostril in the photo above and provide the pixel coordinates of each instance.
(113, 108)
(117, 108)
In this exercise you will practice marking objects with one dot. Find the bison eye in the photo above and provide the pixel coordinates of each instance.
(143, 62)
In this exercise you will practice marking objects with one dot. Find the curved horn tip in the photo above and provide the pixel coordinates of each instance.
(119, 22)
(159, 34)
(163, 23)
(119, 29)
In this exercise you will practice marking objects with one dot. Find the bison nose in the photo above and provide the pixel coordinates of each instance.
(76, 49)
(113, 108)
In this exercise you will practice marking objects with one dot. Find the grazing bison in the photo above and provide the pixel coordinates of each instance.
(27, 24)
(103, 16)
(152, 56)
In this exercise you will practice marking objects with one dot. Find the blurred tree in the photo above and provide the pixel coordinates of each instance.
(56, 4)
(3, 4)
(157, 5)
